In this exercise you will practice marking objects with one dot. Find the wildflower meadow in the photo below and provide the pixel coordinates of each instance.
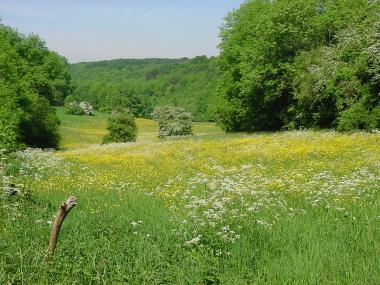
(299, 207)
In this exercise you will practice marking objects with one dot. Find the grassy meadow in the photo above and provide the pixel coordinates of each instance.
(297, 207)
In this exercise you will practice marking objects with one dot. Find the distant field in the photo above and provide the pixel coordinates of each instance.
(81, 131)
(281, 208)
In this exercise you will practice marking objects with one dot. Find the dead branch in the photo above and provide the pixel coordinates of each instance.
(64, 209)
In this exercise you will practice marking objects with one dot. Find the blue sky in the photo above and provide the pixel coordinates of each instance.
(85, 30)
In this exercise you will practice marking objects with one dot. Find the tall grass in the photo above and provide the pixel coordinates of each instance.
(286, 208)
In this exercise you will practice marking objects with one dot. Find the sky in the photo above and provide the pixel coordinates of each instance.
(88, 30)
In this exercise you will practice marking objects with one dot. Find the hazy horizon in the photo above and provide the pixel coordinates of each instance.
(98, 30)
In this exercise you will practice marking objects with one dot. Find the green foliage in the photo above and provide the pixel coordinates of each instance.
(359, 118)
(329, 80)
(173, 121)
(73, 108)
(32, 78)
(142, 84)
(10, 119)
(122, 128)
(297, 63)
(9, 132)
(82, 108)
(39, 127)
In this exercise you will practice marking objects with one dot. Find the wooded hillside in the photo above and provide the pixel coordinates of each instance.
(142, 84)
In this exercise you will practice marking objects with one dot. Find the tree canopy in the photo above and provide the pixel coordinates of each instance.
(300, 63)
(32, 79)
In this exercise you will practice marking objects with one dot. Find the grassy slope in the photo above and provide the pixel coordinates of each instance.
(285, 208)
(78, 131)
(82, 131)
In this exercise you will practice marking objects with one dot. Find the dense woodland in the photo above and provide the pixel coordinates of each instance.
(301, 64)
(143, 84)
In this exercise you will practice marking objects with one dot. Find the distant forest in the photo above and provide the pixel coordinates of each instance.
(142, 84)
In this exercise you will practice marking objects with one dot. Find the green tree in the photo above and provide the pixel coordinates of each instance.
(122, 127)
(31, 79)
(292, 63)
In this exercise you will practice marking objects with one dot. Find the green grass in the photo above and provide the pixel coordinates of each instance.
(213, 208)
(82, 131)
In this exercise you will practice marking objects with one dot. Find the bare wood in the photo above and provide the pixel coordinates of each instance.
(63, 210)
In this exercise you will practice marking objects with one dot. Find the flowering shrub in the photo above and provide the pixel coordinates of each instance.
(122, 128)
(82, 108)
(173, 121)
(86, 107)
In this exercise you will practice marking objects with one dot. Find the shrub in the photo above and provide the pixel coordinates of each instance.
(122, 128)
(27, 120)
(73, 108)
(173, 121)
(86, 107)
(82, 108)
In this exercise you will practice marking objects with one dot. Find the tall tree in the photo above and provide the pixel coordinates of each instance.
(31, 79)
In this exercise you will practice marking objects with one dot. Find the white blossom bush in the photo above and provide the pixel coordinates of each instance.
(86, 107)
(82, 108)
(173, 121)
